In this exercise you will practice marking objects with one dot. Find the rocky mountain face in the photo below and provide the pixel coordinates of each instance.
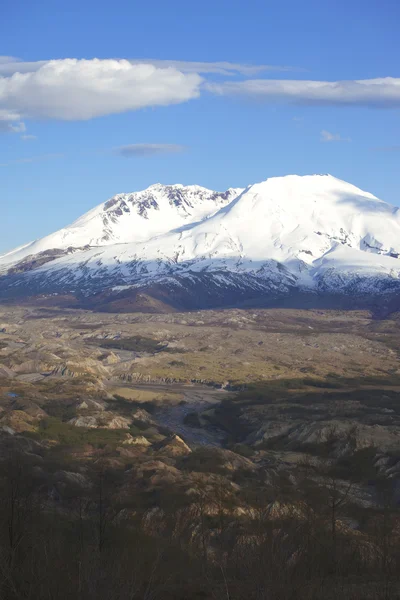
(189, 247)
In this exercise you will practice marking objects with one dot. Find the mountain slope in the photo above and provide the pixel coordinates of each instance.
(276, 237)
(131, 217)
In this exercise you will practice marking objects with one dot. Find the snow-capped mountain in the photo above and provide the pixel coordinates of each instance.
(287, 233)
(132, 217)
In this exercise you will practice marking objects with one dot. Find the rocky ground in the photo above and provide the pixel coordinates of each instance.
(272, 385)
(214, 421)
(220, 347)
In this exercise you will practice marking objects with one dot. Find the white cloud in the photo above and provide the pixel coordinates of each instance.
(6, 60)
(138, 150)
(8, 126)
(74, 89)
(28, 137)
(327, 136)
(220, 68)
(374, 93)
(10, 122)
(10, 65)
(18, 127)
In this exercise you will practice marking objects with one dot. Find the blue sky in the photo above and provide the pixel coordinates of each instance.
(74, 133)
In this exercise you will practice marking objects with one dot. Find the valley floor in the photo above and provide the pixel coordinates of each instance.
(226, 440)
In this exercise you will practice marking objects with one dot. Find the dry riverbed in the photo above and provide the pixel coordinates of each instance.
(173, 403)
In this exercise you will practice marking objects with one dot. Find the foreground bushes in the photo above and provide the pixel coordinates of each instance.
(94, 532)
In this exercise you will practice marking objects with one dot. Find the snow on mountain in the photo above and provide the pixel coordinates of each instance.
(314, 232)
(131, 217)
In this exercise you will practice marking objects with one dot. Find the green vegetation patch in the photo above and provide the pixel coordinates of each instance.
(52, 428)
(136, 343)
(204, 460)
(243, 450)
(122, 406)
(61, 410)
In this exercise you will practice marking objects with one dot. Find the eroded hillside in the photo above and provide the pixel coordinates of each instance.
(216, 438)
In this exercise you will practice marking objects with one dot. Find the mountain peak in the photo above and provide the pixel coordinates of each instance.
(312, 231)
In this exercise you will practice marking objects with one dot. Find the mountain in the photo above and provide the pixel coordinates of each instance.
(132, 217)
(190, 247)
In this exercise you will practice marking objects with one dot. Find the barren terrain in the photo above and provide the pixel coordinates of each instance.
(203, 419)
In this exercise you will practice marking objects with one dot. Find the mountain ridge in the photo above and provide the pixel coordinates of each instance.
(314, 233)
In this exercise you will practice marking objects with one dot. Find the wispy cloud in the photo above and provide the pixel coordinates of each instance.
(10, 65)
(138, 150)
(327, 136)
(10, 123)
(31, 159)
(372, 93)
(28, 137)
(7, 59)
(18, 127)
(99, 87)
(219, 68)
(43, 89)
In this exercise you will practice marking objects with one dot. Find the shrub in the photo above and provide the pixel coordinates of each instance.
(65, 434)
(61, 410)
(204, 460)
(136, 343)
(243, 450)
